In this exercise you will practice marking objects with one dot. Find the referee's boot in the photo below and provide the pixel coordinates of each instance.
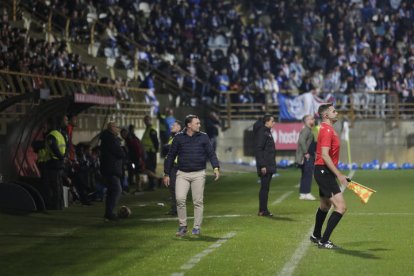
(328, 245)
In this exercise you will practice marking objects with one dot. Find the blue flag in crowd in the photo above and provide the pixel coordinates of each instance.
(292, 108)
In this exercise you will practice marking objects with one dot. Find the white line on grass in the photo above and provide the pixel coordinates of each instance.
(282, 197)
(290, 266)
(381, 214)
(42, 234)
(197, 258)
(174, 219)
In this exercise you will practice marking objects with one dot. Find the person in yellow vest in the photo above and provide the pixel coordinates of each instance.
(39, 148)
(175, 128)
(151, 144)
(54, 155)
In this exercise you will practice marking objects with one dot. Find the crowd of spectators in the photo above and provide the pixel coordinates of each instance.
(19, 52)
(259, 48)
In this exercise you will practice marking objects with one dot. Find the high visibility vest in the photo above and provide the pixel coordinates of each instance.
(60, 142)
(42, 155)
(170, 140)
(146, 140)
(315, 131)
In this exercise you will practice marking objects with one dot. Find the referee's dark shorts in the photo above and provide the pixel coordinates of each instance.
(326, 181)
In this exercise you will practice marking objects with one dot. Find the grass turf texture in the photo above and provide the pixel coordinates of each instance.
(377, 237)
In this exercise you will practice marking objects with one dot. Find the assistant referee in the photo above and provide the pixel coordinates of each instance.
(326, 173)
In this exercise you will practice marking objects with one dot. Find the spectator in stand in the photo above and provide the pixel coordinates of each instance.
(368, 35)
(294, 83)
(234, 64)
(407, 89)
(296, 65)
(370, 85)
(381, 95)
(317, 78)
(223, 84)
(259, 92)
(271, 88)
(306, 85)
(341, 95)
(282, 81)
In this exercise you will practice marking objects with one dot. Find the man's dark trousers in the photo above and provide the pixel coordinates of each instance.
(113, 194)
(151, 164)
(307, 175)
(173, 178)
(264, 191)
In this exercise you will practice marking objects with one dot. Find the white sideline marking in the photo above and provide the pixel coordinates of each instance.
(382, 214)
(174, 219)
(197, 258)
(291, 265)
(41, 234)
(282, 197)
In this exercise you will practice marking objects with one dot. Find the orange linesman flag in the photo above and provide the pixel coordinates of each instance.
(364, 193)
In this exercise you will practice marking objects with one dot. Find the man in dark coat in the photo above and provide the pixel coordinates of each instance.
(135, 157)
(265, 153)
(212, 128)
(111, 167)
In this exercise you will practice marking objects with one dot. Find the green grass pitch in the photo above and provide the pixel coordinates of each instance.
(377, 237)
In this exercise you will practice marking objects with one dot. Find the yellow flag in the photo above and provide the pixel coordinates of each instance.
(364, 193)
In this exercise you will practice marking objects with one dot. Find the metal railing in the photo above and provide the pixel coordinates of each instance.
(14, 84)
(164, 81)
(383, 105)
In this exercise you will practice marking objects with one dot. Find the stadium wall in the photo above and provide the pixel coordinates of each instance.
(369, 140)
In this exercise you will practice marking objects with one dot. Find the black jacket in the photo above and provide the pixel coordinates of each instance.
(111, 154)
(192, 151)
(265, 151)
(257, 127)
